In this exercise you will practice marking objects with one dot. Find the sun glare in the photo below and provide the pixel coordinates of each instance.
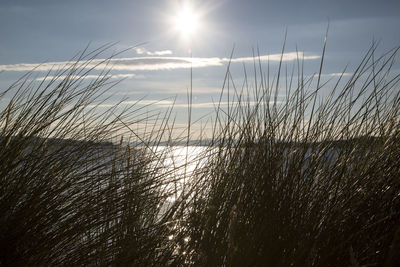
(187, 21)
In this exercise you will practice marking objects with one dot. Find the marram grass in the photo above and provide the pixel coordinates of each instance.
(303, 181)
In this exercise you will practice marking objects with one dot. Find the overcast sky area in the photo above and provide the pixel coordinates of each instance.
(52, 32)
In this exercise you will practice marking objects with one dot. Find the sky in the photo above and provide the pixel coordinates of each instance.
(168, 37)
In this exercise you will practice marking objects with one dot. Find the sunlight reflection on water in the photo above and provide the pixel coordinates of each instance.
(179, 164)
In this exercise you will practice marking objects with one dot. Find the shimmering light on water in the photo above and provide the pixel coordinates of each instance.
(179, 163)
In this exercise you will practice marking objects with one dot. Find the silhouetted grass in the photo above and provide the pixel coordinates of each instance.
(68, 195)
(308, 181)
(300, 181)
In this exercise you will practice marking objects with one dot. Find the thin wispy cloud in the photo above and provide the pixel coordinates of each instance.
(143, 51)
(274, 57)
(173, 90)
(222, 104)
(171, 103)
(74, 77)
(154, 63)
(142, 102)
(335, 74)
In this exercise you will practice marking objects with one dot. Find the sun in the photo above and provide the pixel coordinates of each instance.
(187, 21)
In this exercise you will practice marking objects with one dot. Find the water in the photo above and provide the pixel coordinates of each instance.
(178, 165)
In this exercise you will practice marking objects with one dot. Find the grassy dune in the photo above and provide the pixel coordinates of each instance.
(307, 181)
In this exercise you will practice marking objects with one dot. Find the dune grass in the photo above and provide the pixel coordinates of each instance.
(69, 196)
(300, 181)
(308, 181)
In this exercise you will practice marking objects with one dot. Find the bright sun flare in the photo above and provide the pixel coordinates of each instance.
(187, 22)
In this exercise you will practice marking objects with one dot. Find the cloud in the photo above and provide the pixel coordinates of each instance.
(142, 102)
(73, 77)
(170, 103)
(143, 51)
(160, 53)
(167, 89)
(152, 63)
(140, 51)
(338, 74)
(222, 104)
(150, 102)
(274, 57)
(335, 74)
